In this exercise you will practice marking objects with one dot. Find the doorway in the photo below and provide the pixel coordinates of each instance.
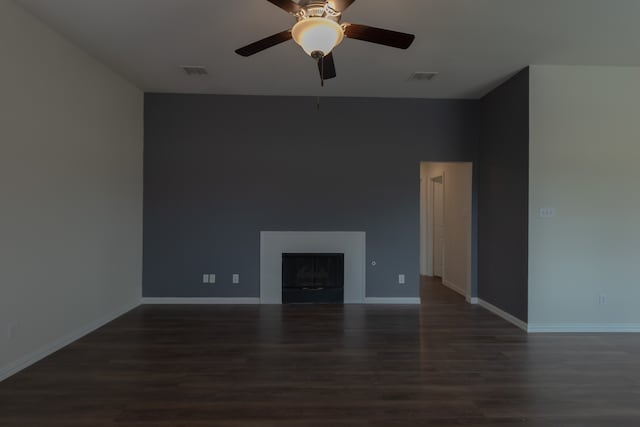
(445, 224)
(437, 212)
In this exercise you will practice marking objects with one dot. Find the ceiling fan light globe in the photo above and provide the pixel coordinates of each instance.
(317, 35)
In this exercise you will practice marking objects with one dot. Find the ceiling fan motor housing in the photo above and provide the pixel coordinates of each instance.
(318, 9)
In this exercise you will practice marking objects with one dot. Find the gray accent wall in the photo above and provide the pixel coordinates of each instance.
(220, 169)
(503, 213)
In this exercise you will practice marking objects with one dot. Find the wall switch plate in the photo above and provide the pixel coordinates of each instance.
(547, 212)
(205, 278)
(602, 300)
(212, 278)
(401, 279)
(236, 279)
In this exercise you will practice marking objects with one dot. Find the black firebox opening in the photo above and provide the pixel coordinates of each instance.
(312, 278)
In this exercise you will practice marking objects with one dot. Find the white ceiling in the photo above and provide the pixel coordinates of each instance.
(474, 44)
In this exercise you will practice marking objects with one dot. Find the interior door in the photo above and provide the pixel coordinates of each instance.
(438, 226)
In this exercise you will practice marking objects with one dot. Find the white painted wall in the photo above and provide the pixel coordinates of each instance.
(457, 223)
(71, 140)
(585, 163)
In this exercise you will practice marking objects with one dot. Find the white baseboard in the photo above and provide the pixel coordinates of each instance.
(240, 301)
(506, 316)
(202, 301)
(392, 300)
(28, 360)
(454, 287)
(584, 328)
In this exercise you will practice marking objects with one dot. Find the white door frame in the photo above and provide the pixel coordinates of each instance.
(433, 181)
(429, 221)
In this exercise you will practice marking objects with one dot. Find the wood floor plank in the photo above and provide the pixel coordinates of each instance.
(444, 363)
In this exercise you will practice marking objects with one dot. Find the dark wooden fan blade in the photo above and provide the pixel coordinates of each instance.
(286, 5)
(379, 36)
(327, 67)
(341, 5)
(263, 44)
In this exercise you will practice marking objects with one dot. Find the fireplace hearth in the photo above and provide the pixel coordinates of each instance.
(312, 278)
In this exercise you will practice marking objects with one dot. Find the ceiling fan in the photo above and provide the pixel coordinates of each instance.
(319, 30)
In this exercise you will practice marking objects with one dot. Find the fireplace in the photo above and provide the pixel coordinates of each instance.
(312, 278)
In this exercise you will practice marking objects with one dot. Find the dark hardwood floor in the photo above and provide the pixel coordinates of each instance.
(444, 363)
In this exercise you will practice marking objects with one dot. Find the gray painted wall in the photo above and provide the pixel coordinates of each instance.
(504, 197)
(219, 169)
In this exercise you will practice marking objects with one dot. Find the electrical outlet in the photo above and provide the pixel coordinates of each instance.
(401, 279)
(212, 278)
(205, 278)
(602, 300)
(547, 212)
(236, 279)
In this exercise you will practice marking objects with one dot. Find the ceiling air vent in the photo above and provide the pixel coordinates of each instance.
(194, 70)
(422, 76)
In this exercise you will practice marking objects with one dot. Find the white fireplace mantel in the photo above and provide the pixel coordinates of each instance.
(274, 243)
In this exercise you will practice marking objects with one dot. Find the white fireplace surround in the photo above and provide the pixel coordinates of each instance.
(350, 243)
